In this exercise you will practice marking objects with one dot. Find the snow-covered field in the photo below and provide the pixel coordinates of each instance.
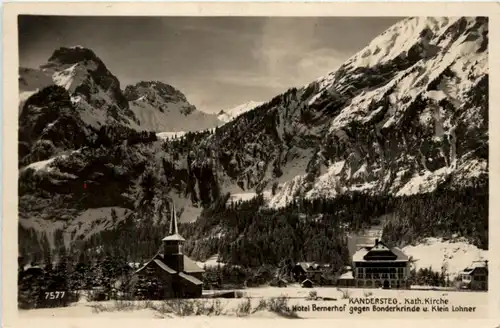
(213, 261)
(297, 297)
(453, 256)
(247, 196)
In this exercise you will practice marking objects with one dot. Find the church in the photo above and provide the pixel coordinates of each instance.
(170, 273)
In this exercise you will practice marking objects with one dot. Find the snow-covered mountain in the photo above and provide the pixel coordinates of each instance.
(405, 115)
(160, 107)
(230, 114)
(402, 116)
(93, 89)
(96, 93)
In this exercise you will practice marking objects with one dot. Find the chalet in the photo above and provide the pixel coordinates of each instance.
(170, 273)
(346, 278)
(381, 266)
(475, 276)
(307, 270)
(307, 283)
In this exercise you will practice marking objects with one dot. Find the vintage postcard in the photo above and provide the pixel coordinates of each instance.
(229, 161)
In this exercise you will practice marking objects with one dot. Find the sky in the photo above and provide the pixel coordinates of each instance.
(217, 62)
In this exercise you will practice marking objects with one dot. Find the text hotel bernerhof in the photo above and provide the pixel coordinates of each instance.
(361, 305)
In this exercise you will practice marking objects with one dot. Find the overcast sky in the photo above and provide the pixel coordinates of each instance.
(217, 62)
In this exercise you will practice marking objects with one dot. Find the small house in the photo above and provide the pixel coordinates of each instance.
(346, 279)
(307, 283)
(307, 270)
(474, 277)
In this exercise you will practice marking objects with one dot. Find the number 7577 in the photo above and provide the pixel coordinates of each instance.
(54, 295)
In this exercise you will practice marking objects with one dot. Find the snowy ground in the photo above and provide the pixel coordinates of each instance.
(297, 297)
(246, 196)
(450, 255)
(213, 261)
(170, 135)
(453, 256)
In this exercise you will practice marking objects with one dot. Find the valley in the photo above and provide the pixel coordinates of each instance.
(395, 132)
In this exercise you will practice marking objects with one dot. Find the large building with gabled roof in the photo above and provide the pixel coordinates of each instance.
(381, 266)
(170, 273)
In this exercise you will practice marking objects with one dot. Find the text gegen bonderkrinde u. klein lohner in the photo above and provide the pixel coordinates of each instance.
(361, 305)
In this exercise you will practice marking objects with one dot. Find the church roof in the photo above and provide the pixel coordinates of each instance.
(190, 278)
(160, 264)
(190, 266)
(393, 254)
(173, 231)
(163, 266)
(174, 237)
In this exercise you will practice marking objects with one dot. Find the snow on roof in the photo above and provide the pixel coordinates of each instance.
(479, 264)
(379, 247)
(164, 267)
(191, 278)
(358, 256)
(190, 266)
(174, 237)
(347, 275)
(399, 253)
(160, 264)
(475, 265)
(308, 266)
(134, 265)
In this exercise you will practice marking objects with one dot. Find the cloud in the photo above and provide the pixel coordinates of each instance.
(250, 79)
(320, 62)
(288, 70)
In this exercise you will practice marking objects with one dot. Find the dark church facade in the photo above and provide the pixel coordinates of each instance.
(170, 273)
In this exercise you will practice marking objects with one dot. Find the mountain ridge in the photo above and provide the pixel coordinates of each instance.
(385, 123)
(230, 114)
(97, 93)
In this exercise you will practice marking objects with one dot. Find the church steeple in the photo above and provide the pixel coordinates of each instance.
(173, 231)
(173, 221)
(172, 244)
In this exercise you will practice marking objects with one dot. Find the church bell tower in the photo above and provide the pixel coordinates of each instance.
(172, 245)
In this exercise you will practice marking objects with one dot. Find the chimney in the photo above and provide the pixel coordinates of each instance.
(376, 242)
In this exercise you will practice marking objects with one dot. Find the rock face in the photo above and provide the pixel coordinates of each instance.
(405, 115)
(160, 107)
(96, 93)
(48, 124)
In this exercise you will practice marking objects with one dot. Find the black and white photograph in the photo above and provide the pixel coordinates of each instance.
(252, 166)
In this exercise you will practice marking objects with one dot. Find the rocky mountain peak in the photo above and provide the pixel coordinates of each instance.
(154, 92)
(73, 55)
